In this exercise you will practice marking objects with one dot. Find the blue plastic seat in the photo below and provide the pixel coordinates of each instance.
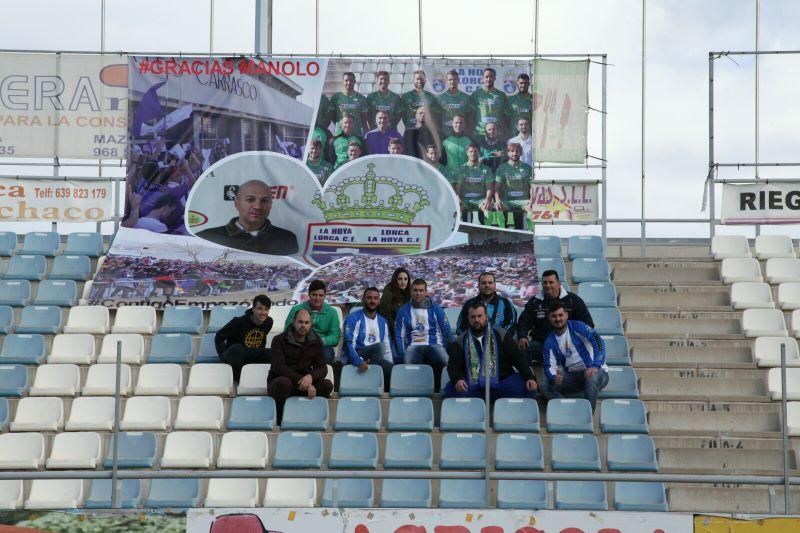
(3, 414)
(607, 321)
(63, 293)
(519, 451)
(171, 348)
(16, 293)
(623, 416)
(410, 414)
(574, 452)
(617, 351)
(590, 269)
(462, 450)
(45, 319)
(631, 452)
(408, 450)
(8, 243)
(406, 493)
(136, 449)
(598, 293)
(622, 383)
(358, 414)
(551, 263)
(174, 493)
(6, 319)
(569, 415)
(182, 319)
(74, 267)
(13, 380)
(462, 494)
(41, 243)
(23, 349)
(221, 315)
(463, 414)
(30, 267)
(586, 495)
(585, 246)
(303, 414)
(355, 383)
(83, 243)
(207, 353)
(522, 494)
(411, 380)
(640, 496)
(516, 414)
(546, 246)
(100, 494)
(252, 413)
(349, 493)
(354, 450)
(298, 449)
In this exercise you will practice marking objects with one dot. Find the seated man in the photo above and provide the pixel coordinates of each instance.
(366, 337)
(325, 321)
(467, 356)
(298, 367)
(574, 358)
(243, 340)
(501, 312)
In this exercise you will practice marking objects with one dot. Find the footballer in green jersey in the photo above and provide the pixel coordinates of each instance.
(475, 184)
(488, 103)
(419, 97)
(454, 102)
(519, 105)
(513, 185)
(349, 102)
(321, 168)
(354, 151)
(432, 158)
(455, 146)
(385, 100)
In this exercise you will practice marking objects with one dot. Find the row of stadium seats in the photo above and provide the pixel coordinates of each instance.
(302, 492)
(34, 268)
(776, 270)
(19, 293)
(766, 246)
(48, 243)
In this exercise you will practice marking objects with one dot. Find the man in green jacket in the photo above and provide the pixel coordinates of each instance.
(324, 319)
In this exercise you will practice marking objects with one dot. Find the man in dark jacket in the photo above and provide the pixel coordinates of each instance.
(533, 326)
(480, 343)
(243, 340)
(501, 312)
(298, 366)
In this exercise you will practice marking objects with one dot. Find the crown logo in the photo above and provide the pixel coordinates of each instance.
(372, 197)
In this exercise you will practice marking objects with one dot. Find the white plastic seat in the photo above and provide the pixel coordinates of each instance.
(147, 413)
(39, 414)
(101, 380)
(132, 348)
(91, 414)
(188, 449)
(763, 323)
(232, 492)
(76, 348)
(243, 449)
(88, 319)
(782, 269)
(76, 450)
(796, 323)
(55, 494)
(724, 246)
(21, 451)
(200, 412)
(253, 380)
(789, 295)
(792, 383)
(56, 380)
(135, 319)
(210, 379)
(769, 246)
(793, 418)
(767, 351)
(11, 492)
(159, 379)
(740, 269)
(290, 492)
(751, 295)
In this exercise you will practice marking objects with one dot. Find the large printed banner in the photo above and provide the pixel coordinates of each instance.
(565, 201)
(43, 200)
(433, 521)
(776, 202)
(62, 105)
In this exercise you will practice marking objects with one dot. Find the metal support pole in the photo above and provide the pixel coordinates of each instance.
(758, 17)
(211, 28)
(419, 25)
(115, 448)
(487, 376)
(604, 151)
(710, 184)
(644, 57)
(785, 432)
(263, 44)
(316, 28)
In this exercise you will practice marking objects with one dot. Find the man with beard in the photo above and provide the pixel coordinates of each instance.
(366, 337)
(385, 100)
(339, 145)
(419, 97)
(513, 186)
(321, 168)
(349, 102)
(499, 309)
(454, 102)
(487, 103)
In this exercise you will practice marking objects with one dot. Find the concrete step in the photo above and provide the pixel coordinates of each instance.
(707, 384)
(674, 298)
(661, 272)
(722, 461)
(729, 498)
(696, 324)
(728, 419)
(691, 353)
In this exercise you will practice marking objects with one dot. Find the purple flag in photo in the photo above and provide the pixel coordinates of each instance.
(149, 107)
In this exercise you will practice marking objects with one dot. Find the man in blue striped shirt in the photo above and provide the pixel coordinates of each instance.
(366, 337)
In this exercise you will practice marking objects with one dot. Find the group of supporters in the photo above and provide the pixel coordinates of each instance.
(480, 142)
(402, 324)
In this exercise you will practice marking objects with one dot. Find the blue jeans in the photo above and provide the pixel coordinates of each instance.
(329, 353)
(430, 354)
(575, 382)
(512, 386)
